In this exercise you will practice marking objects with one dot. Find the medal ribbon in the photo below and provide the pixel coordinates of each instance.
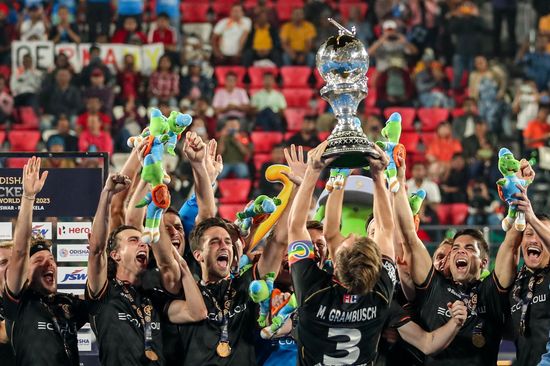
(55, 321)
(526, 301)
(223, 313)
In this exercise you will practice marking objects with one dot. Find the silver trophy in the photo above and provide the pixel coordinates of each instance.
(343, 62)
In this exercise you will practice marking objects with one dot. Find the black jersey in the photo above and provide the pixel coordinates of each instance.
(43, 329)
(477, 343)
(200, 339)
(6, 351)
(336, 327)
(531, 343)
(118, 325)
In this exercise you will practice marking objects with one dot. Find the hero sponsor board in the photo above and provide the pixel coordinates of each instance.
(73, 230)
(72, 275)
(72, 252)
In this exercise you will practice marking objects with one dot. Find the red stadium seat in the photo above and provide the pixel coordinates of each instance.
(284, 10)
(457, 112)
(370, 100)
(410, 140)
(319, 82)
(259, 160)
(221, 72)
(2, 137)
(294, 118)
(194, 12)
(298, 98)
(321, 105)
(234, 190)
(5, 71)
(459, 213)
(444, 213)
(432, 117)
(222, 8)
(16, 162)
(346, 7)
(264, 141)
(449, 72)
(23, 140)
(407, 116)
(27, 117)
(427, 138)
(323, 135)
(295, 76)
(229, 211)
(256, 75)
(369, 111)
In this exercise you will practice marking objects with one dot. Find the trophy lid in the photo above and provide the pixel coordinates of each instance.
(342, 58)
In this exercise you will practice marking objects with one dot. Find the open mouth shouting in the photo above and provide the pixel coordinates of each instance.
(176, 243)
(141, 257)
(222, 260)
(533, 252)
(49, 277)
(461, 265)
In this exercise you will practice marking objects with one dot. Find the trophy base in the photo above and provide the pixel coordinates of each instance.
(350, 151)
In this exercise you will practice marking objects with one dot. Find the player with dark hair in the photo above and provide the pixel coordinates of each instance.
(43, 324)
(340, 317)
(478, 341)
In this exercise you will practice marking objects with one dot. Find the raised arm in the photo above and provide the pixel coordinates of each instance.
(439, 339)
(333, 216)
(97, 256)
(192, 309)
(421, 262)
(195, 150)
(505, 262)
(382, 210)
(16, 273)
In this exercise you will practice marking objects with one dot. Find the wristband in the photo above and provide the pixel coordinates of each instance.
(31, 198)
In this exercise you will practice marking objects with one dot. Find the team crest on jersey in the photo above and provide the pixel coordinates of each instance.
(351, 299)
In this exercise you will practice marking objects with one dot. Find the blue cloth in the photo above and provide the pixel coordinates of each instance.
(130, 7)
(537, 68)
(545, 359)
(188, 213)
(99, 1)
(283, 351)
(170, 7)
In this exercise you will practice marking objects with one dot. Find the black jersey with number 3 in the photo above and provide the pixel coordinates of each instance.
(334, 326)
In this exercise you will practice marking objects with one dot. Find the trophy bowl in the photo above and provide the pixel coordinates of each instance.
(343, 63)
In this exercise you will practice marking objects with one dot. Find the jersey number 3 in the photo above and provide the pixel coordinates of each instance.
(354, 337)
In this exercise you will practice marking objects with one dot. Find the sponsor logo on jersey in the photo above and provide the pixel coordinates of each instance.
(73, 230)
(43, 229)
(350, 299)
(135, 322)
(390, 268)
(45, 326)
(72, 275)
(5, 231)
(72, 253)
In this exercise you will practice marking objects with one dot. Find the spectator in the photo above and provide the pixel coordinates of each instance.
(129, 33)
(261, 7)
(423, 23)
(297, 38)
(465, 26)
(480, 146)
(164, 84)
(129, 9)
(431, 82)
(441, 150)
(229, 37)
(373, 127)
(61, 61)
(231, 100)
(455, 180)
(391, 48)
(34, 27)
(537, 132)
(56, 144)
(269, 105)
(199, 127)
(25, 84)
(263, 43)
(235, 148)
(420, 180)
(163, 33)
(100, 90)
(324, 30)
(363, 27)
(94, 139)
(481, 207)
(504, 9)
(93, 108)
(70, 141)
(98, 13)
(95, 63)
(172, 10)
(6, 35)
(536, 63)
(266, 187)
(63, 98)
(464, 125)
(65, 31)
(526, 106)
(6, 101)
(488, 86)
(195, 85)
(129, 80)
(130, 124)
(204, 111)
(307, 137)
(542, 7)
(394, 86)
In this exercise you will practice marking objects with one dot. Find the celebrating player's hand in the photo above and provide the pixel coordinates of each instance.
(378, 165)
(194, 148)
(214, 163)
(295, 160)
(523, 203)
(32, 181)
(315, 162)
(525, 171)
(458, 312)
(117, 183)
(401, 169)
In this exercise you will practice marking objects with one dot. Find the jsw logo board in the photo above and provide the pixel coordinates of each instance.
(72, 275)
(43, 229)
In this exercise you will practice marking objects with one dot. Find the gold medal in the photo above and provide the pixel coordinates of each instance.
(478, 340)
(151, 355)
(223, 349)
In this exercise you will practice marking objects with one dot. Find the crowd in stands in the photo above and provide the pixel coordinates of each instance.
(245, 71)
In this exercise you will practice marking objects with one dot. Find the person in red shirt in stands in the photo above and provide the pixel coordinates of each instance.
(537, 132)
(129, 80)
(129, 33)
(164, 84)
(162, 32)
(440, 151)
(94, 139)
(93, 108)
